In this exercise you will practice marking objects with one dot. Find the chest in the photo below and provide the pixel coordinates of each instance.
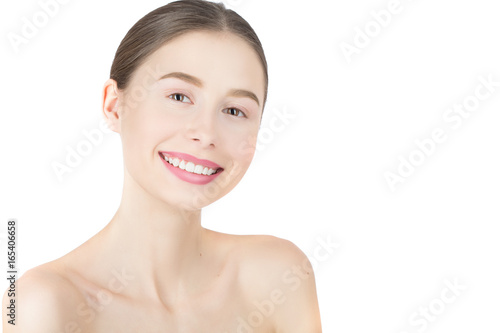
(225, 311)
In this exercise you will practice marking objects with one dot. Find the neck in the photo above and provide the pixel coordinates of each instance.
(159, 244)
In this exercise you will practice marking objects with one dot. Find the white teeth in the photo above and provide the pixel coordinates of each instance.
(190, 166)
(198, 169)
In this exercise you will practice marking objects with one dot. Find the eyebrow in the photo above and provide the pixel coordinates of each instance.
(199, 83)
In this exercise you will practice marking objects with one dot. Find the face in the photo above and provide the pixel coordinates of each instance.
(197, 102)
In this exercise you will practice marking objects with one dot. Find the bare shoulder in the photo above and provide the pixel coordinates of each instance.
(270, 252)
(44, 300)
(278, 273)
(256, 253)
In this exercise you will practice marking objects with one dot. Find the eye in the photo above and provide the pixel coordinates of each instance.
(234, 112)
(179, 97)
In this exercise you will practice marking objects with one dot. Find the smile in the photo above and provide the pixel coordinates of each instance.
(189, 168)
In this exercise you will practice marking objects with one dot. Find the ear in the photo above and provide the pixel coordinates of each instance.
(110, 105)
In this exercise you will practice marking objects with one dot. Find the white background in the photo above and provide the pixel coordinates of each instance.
(321, 176)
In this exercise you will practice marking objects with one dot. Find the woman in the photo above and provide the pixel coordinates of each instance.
(186, 93)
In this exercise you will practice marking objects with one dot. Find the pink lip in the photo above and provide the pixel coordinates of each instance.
(190, 158)
(189, 177)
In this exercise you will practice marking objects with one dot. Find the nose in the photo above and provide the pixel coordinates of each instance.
(201, 128)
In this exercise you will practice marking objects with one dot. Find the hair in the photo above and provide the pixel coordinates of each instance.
(172, 20)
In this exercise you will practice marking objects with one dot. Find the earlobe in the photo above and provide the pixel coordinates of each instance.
(110, 105)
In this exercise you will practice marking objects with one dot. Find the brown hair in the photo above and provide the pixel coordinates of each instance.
(172, 20)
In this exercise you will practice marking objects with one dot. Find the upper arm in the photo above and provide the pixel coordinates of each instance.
(299, 310)
(39, 304)
(283, 278)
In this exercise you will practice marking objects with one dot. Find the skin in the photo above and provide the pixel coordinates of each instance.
(154, 268)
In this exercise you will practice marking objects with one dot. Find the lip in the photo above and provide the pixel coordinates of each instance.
(189, 177)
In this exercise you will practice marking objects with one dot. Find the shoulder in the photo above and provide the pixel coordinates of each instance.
(258, 254)
(281, 275)
(43, 299)
(270, 252)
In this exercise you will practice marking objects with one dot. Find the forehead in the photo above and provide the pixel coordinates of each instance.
(219, 59)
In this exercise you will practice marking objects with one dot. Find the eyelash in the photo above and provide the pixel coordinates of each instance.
(237, 110)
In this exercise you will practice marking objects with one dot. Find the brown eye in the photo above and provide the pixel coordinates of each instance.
(179, 97)
(234, 112)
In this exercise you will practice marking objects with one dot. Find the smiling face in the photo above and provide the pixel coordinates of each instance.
(198, 102)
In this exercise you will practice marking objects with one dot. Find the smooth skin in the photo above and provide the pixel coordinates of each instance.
(154, 268)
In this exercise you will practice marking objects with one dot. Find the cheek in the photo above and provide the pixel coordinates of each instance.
(147, 123)
(140, 135)
(241, 146)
